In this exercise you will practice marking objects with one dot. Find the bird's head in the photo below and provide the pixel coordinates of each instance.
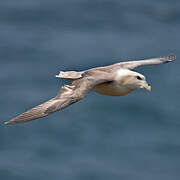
(132, 80)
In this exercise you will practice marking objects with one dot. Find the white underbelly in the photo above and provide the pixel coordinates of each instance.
(111, 89)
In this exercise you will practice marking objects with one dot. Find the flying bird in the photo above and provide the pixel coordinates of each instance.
(113, 80)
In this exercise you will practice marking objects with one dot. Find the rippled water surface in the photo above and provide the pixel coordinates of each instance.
(100, 138)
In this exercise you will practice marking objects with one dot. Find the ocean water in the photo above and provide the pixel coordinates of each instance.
(99, 138)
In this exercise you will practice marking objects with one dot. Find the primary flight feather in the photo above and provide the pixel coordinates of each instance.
(113, 80)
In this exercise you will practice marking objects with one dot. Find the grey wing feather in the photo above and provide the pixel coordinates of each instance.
(34, 113)
(153, 61)
(68, 95)
(64, 99)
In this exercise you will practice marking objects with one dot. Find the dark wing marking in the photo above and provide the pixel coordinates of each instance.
(68, 95)
(153, 61)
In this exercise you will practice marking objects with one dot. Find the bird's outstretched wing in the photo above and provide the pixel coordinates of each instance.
(153, 61)
(68, 95)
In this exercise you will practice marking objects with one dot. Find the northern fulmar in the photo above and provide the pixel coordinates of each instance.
(113, 80)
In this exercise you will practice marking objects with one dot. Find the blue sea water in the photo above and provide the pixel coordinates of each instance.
(100, 138)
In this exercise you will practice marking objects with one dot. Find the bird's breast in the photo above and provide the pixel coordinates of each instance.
(111, 89)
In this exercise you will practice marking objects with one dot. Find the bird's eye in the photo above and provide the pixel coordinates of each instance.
(139, 78)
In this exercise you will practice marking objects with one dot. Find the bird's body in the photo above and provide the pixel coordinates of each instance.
(117, 87)
(112, 89)
(114, 80)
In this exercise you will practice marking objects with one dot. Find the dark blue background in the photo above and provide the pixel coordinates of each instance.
(100, 138)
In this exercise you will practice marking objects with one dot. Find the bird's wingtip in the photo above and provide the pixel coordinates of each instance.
(7, 122)
(167, 59)
(171, 57)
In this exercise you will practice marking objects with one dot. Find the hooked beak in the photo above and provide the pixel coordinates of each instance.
(147, 86)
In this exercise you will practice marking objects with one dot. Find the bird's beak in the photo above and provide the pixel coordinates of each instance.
(147, 86)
